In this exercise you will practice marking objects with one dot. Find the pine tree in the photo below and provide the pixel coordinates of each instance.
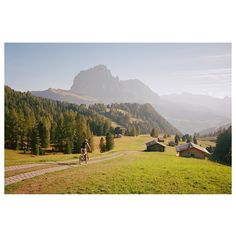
(68, 147)
(35, 142)
(69, 131)
(21, 130)
(11, 128)
(190, 139)
(137, 131)
(194, 139)
(102, 145)
(30, 124)
(59, 133)
(53, 133)
(82, 131)
(45, 131)
(154, 133)
(133, 131)
(109, 142)
(177, 139)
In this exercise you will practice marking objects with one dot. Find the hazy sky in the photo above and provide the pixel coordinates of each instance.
(199, 68)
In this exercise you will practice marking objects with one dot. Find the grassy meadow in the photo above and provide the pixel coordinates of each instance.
(136, 171)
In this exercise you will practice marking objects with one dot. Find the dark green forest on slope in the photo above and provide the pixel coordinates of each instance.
(134, 116)
(34, 123)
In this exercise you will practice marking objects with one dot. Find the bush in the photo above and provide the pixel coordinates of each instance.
(102, 145)
(91, 144)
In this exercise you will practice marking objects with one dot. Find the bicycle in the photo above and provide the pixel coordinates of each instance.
(83, 158)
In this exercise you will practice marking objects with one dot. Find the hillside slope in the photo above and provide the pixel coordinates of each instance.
(141, 117)
(189, 113)
(64, 96)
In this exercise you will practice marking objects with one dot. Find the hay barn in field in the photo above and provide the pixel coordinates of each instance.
(171, 143)
(192, 150)
(155, 146)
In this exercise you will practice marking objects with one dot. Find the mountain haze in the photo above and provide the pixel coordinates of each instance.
(192, 113)
(187, 112)
(65, 96)
(201, 102)
(99, 83)
(213, 130)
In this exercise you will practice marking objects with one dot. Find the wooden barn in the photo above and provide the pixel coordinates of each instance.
(192, 150)
(171, 143)
(155, 146)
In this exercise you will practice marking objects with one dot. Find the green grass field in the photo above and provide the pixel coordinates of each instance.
(134, 172)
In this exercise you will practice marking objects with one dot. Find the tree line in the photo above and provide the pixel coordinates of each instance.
(33, 123)
(36, 124)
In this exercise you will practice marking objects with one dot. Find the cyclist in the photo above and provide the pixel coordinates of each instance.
(84, 148)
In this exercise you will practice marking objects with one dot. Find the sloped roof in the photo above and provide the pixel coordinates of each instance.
(183, 147)
(150, 143)
(190, 145)
(171, 141)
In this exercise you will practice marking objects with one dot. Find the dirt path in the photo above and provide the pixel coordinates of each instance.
(20, 167)
(60, 166)
(27, 166)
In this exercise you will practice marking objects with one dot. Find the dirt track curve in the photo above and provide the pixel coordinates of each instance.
(62, 165)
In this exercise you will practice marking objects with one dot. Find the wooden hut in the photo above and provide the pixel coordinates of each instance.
(192, 150)
(171, 143)
(155, 146)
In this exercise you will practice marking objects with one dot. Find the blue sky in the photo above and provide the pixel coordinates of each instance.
(199, 68)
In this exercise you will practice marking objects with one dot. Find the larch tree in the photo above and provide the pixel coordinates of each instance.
(102, 145)
(109, 142)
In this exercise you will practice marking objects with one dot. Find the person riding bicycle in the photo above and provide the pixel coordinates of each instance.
(84, 148)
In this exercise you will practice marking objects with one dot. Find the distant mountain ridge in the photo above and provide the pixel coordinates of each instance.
(213, 130)
(187, 112)
(197, 101)
(192, 113)
(99, 83)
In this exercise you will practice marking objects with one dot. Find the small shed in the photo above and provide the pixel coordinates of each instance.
(155, 146)
(171, 143)
(192, 150)
(160, 139)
